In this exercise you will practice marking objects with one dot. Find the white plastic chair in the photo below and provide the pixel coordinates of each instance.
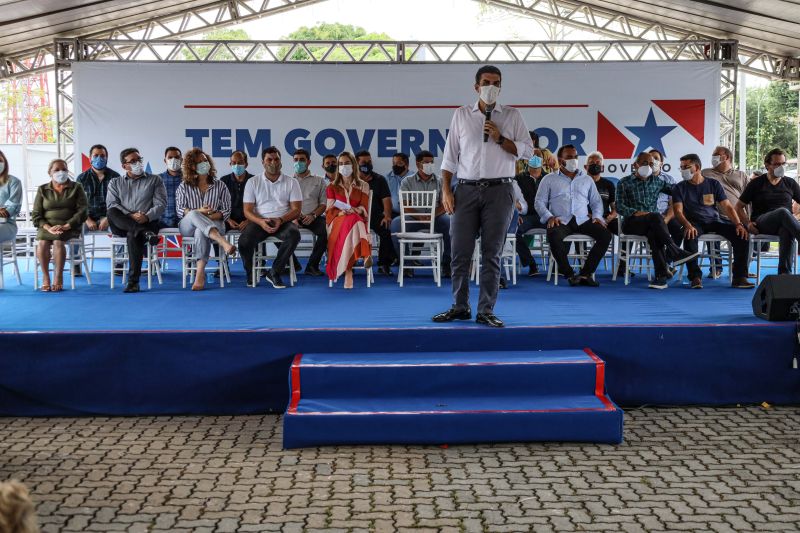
(163, 250)
(579, 246)
(418, 211)
(119, 254)
(76, 257)
(28, 237)
(8, 255)
(373, 248)
(93, 247)
(539, 245)
(189, 263)
(232, 236)
(755, 250)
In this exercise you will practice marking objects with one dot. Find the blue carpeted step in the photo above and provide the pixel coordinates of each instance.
(441, 374)
(439, 398)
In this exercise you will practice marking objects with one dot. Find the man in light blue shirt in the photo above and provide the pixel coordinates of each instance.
(568, 202)
(400, 171)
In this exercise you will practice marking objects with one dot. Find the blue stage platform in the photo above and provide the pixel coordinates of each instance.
(228, 351)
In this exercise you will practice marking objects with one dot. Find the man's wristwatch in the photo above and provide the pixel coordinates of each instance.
(501, 140)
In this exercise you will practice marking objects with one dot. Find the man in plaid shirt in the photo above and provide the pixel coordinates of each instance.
(637, 204)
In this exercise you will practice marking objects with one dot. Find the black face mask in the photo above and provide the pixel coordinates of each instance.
(594, 169)
(398, 170)
(330, 169)
(366, 168)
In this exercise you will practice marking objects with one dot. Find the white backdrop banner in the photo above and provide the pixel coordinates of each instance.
(617, 108)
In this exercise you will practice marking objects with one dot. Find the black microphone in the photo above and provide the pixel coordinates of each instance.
(488, 113)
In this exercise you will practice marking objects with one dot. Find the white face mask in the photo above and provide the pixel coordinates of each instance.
(2, 166)
(137, 169)
(778, 172)
(656, 165)
(173, 164)
(644, 171)
(428, 168)
(715, 160)
(346, 170)
(203, 168)
(687, 173)
(571, 165)
(489, 94)
(60, 176)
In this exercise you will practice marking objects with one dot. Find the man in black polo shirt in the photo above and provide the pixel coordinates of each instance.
(380, 210)
(771, 196)
(694, 202)
(528, 182)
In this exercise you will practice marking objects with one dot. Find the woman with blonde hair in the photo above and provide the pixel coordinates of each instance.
(346, 218)
(17, 513)
(59, 211)
(203, 204)
(10, 201)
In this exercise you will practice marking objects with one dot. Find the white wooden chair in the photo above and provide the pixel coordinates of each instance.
(76, 258)
(417, 217)
(632, 249)
(189, 263)
(162, 248)
(8, 255)
(713, 254)
(579, 246)
(119, 254)
(261, 256)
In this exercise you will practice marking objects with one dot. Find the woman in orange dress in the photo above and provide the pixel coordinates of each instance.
(346, 218)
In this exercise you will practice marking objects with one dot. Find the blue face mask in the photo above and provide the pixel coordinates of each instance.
(535, 162)
(237, 169)
(300, 167)
(99, 162)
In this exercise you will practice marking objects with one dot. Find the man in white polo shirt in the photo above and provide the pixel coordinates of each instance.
(271, 201)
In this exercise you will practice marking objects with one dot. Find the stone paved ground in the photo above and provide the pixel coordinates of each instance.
(698, 469)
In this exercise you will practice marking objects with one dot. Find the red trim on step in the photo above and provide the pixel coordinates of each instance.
(600, 381)
(462, 412)
(292, 409)
(414, 365)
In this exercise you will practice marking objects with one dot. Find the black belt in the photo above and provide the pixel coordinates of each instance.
(485, 182)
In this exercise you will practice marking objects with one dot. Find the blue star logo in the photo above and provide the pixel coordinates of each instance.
(650, 134)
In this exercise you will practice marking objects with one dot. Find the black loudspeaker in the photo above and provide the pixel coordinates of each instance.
(775, 296)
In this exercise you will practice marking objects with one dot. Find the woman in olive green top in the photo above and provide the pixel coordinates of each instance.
(59, 210)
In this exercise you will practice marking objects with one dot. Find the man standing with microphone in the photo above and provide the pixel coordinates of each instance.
(483, 145)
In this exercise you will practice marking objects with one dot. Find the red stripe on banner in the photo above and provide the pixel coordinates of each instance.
(600, 380)
(463, 412)
(522, 106)
(295, 384)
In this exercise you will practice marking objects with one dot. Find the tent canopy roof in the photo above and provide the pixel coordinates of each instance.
(774, 27)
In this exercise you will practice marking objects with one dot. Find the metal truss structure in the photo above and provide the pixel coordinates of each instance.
(69, 51)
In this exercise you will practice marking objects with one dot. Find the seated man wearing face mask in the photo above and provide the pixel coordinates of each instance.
(637, 204)
(312, 210)
(172, 178)
(569, 203)
(695, 202)
(135, 202)
(235, 182)
(770, 197)
(426, 180)
(400, 171)
(528, 183)
(665, 200)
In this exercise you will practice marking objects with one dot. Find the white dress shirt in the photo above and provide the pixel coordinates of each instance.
(564, 197)
(519, 198)
(272, 199)
(465, 153)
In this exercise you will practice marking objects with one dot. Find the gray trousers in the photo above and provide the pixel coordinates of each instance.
(199, 226)
(485, 212)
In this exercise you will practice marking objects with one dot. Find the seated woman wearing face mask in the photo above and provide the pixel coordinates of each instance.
(59, 210)
(346, 219)
(203, 203)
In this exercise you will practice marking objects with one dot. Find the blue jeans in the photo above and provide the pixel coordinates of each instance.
(782, 223)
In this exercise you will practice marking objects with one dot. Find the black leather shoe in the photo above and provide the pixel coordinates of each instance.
(385, 270)
(489, 319)
(132, 286)
(574, 280)
(453, 314)
(589, 281)
(313, 271)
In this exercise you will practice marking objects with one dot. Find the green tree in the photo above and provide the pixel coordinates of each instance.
(771, 122)
(222, 54)
(41, 119)
(337, 32)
